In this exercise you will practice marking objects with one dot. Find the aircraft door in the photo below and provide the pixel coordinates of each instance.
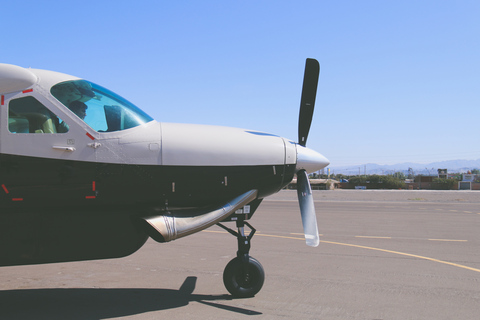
(43, 157)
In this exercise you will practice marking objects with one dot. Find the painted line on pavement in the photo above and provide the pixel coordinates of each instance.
(373, 237)
(370, 248)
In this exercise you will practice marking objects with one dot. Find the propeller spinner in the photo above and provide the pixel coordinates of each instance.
(307, 159)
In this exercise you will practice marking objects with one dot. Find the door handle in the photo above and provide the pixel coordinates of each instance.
(69, 149)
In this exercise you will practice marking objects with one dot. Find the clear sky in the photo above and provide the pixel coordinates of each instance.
(399, 80)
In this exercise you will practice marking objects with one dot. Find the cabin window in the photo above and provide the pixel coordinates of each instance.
(100, 108)
(28, 115)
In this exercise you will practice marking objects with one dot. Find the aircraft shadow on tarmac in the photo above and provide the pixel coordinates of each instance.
(79, 303)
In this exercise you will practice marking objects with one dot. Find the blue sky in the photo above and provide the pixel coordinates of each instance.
(399, 80)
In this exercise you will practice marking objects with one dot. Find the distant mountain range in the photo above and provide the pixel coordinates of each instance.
(452, 166)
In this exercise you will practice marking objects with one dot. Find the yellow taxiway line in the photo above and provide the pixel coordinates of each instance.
(369, 248)
(373, 237)
(405, 254)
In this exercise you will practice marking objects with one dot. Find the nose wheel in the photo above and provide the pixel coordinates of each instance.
(243, 276)
(242, 280)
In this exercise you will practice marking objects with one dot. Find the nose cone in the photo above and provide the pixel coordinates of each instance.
(310, 160)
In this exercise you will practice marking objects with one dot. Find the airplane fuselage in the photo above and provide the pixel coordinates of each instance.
(74, 188)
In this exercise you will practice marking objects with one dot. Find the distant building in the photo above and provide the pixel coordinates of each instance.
(443, 173)
(467, 181)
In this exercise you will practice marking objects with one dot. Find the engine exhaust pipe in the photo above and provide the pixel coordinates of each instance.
(165, 228)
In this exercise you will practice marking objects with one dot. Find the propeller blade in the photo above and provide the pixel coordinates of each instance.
(307, 103)
(307, 209)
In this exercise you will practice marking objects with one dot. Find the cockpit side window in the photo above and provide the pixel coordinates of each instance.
(100, 108)
(28, 115)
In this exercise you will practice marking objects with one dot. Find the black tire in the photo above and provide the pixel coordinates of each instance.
(238, 283)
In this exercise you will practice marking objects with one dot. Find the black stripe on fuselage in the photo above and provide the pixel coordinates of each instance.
(61, 210)
(42, 182)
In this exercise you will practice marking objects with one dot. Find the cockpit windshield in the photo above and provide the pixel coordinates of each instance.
(100, 108)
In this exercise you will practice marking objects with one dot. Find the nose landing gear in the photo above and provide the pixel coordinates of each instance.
(244, 275)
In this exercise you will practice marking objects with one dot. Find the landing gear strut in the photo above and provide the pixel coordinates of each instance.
(243, 276)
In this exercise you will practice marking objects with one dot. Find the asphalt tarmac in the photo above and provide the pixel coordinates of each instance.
(383, 255)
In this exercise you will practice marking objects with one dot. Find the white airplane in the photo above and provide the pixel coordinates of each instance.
(85, 174)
